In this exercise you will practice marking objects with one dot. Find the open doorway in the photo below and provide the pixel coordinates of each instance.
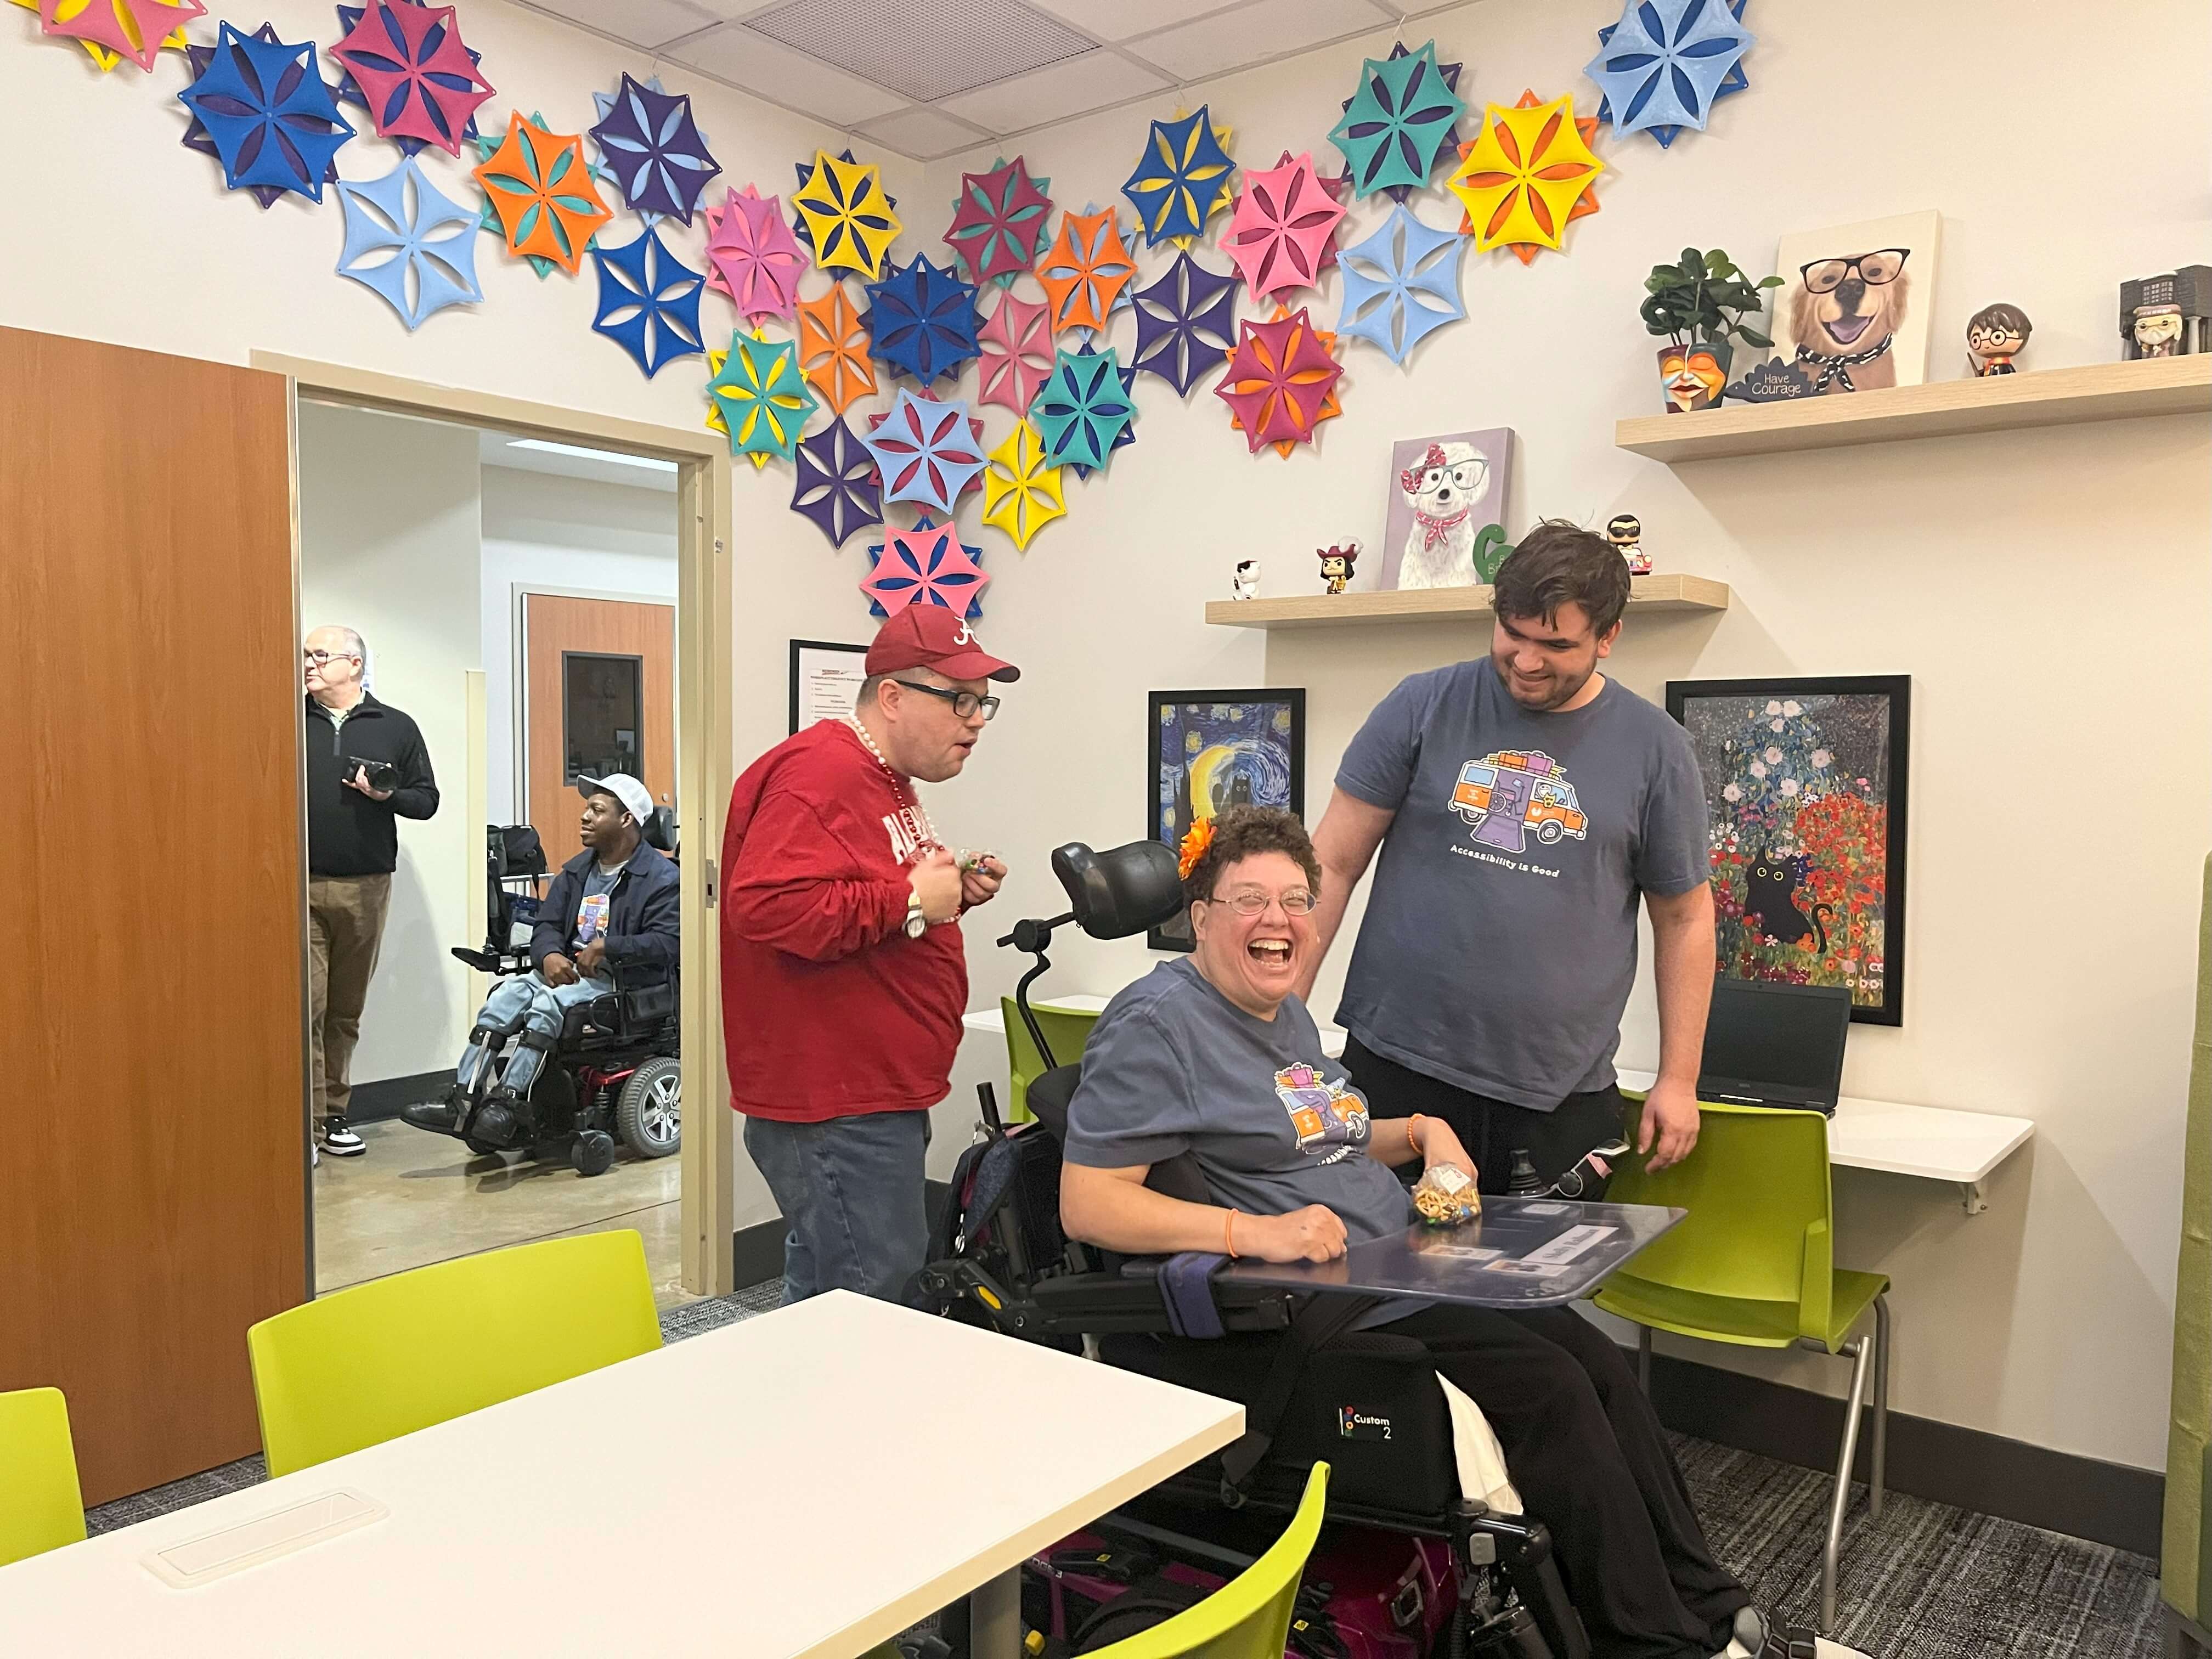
(526, 600)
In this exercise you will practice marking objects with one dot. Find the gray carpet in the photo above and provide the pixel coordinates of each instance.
(1925, 1582)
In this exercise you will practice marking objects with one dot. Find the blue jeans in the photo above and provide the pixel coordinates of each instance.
(524, 1003)
(851, 1191)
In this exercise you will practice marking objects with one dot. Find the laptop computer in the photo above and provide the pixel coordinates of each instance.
(1769, 1044)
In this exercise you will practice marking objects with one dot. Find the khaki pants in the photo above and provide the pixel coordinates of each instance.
(346, 928)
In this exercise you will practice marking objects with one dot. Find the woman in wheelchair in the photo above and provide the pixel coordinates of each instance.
(1214, 1056)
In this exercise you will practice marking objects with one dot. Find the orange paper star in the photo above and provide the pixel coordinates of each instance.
(833, 349)
(543, 192)
(1085, 269)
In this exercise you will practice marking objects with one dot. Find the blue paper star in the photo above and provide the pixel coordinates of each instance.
(1401, 283)
(349, 89)
(1081, 411)
(1127, 434)
(399, 216)
(1185, 324)
(926, 451)
(921, 320)
(196, 133)
(649, 302)
(1181, 178)
(1666, 62)
(273, 122)
(659, 161)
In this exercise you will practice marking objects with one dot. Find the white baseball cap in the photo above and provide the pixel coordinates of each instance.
(637, 799)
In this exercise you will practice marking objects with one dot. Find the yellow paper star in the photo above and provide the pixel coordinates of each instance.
(848, 214)
(107, 58)
(1522, 178)
(1021, 491)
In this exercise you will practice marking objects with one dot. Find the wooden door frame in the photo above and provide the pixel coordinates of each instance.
(518, 597)
(705, 769)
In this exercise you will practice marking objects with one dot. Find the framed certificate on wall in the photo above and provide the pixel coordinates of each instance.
(825, 680)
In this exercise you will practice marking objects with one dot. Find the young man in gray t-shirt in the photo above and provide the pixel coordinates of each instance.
(1523, 802)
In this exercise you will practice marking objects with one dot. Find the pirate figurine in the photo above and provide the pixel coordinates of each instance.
(1995, 336)
(1626, 531)
(1336, 561)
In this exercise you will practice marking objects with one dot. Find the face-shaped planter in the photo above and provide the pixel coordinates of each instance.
(1691, 377)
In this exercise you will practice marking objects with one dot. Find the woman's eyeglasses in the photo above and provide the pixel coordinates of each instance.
(964, 703)
(1875, 269)
(1296, 903)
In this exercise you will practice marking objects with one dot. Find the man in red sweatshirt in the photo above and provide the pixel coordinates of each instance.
(843, 972)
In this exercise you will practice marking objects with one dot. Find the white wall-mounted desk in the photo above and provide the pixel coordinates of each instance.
(800, 1485)
(993, 1021)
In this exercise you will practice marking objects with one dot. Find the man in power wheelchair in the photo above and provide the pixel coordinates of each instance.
(594, 993)
(1190, 1136)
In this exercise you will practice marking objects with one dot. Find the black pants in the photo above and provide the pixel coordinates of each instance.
(1491, 1130)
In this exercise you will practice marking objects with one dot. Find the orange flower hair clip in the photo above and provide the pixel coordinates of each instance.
(1195, 840)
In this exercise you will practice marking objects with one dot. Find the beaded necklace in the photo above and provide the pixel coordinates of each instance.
(901, 786)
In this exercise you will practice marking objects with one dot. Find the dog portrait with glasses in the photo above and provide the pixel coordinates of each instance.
(1847, 309)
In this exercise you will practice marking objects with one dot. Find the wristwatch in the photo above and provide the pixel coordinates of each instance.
(916, 923)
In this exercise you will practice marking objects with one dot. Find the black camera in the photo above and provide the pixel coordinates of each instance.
(376, 773)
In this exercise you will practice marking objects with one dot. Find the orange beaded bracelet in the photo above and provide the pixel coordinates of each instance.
(1228, 1240)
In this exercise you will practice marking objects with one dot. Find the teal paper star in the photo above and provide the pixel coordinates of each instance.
(1397, 123)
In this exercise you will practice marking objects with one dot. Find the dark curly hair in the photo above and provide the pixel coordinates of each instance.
(1560, 563)
(1240, 832)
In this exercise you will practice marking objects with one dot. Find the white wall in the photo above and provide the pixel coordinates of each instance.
(550, 532)
(2048, 591)
(388, 531)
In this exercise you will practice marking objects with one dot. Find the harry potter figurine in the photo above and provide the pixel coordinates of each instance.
(1626, 531)
(1995, 336)
(1336, 561)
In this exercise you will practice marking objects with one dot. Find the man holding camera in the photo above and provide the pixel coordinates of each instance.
(367, 769)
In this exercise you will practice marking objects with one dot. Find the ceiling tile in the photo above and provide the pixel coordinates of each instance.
(924, 50)
(1091, 81)
(1117, 20)
(1228, 40)
(923, 134)
(791, 78)
(647, 23)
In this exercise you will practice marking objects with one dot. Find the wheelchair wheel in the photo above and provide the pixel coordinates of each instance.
(650, 1110)
(591, 1152)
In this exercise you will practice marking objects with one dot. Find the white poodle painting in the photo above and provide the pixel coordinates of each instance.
(1445, 492)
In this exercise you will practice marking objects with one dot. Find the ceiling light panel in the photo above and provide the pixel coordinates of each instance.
(1064, 90)
(1229, 40)
(924, 49)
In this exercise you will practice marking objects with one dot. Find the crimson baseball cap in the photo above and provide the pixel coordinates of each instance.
(930, 636)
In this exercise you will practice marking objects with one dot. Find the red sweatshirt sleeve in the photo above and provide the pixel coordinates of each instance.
(793, 887)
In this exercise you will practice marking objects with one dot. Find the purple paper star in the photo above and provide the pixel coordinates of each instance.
(1184, 324)
(837, 486)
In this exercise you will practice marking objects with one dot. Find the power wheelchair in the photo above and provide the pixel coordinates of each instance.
(615, 1068)
(1313, 1389)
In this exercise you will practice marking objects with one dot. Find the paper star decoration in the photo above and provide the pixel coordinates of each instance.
(1337, 189)
(350, 90)
(1585, 204)
(1082, 410)
(928, 564)
(833, 349)
(272, 121)
(136, 29)
(1021, 487)
(715, 421)
(929, 400)
(1279, 378)
(1525, 173)
(1085, 269)
(752, 255)
(1181, 180)
(417, 77)
(1401, 283)
(922, 320)
(846, 217)
(925, 452)
(805, 170)
(603, 104)
(1398, 121)
(1284, 223)
(1184, 324)
(837, 489)
(998, 222)
(197, 137)
(126, 22)
(649, 302)
(543, 193)
(648, 138)
(1016, 356)
(486, 147)
(1330, 408)
(1666, 62)
(1127, 434)
(762, 397)
(401, 217)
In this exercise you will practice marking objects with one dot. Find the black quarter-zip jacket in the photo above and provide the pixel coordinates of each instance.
(349, 834)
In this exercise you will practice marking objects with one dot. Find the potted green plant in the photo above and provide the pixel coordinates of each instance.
(1696, 305)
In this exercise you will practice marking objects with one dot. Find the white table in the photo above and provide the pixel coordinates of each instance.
(1937, 1143)
(993, 1021)
(800, 1485)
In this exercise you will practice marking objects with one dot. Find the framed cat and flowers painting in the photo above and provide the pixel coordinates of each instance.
(1805, 784)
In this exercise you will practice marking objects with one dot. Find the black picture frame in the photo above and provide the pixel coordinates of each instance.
(799, 648)
(1166, 816)
(1766, 845)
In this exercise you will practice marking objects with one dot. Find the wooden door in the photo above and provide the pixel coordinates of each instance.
(152, 1191)
(598, 695)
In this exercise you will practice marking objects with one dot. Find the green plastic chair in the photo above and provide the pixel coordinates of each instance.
(368, 1364)
(1753, 1264)
(41, 1507)
(1065, 1028)
(1248, 1616)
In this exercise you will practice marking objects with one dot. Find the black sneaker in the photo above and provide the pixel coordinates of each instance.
(438, 1117)
(340, 1141)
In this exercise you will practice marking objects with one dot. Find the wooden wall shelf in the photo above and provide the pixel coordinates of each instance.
(1942, 408)
(1661, 590)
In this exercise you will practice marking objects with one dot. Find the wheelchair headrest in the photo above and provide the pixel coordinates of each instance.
(516, 849)
(660, 829)
(1122, 890)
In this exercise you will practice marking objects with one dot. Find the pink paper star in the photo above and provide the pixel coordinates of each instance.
(1023, 359)
(418, 78)
(752, 255)
(1285, 221)
(129, 28)
(926, 565)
